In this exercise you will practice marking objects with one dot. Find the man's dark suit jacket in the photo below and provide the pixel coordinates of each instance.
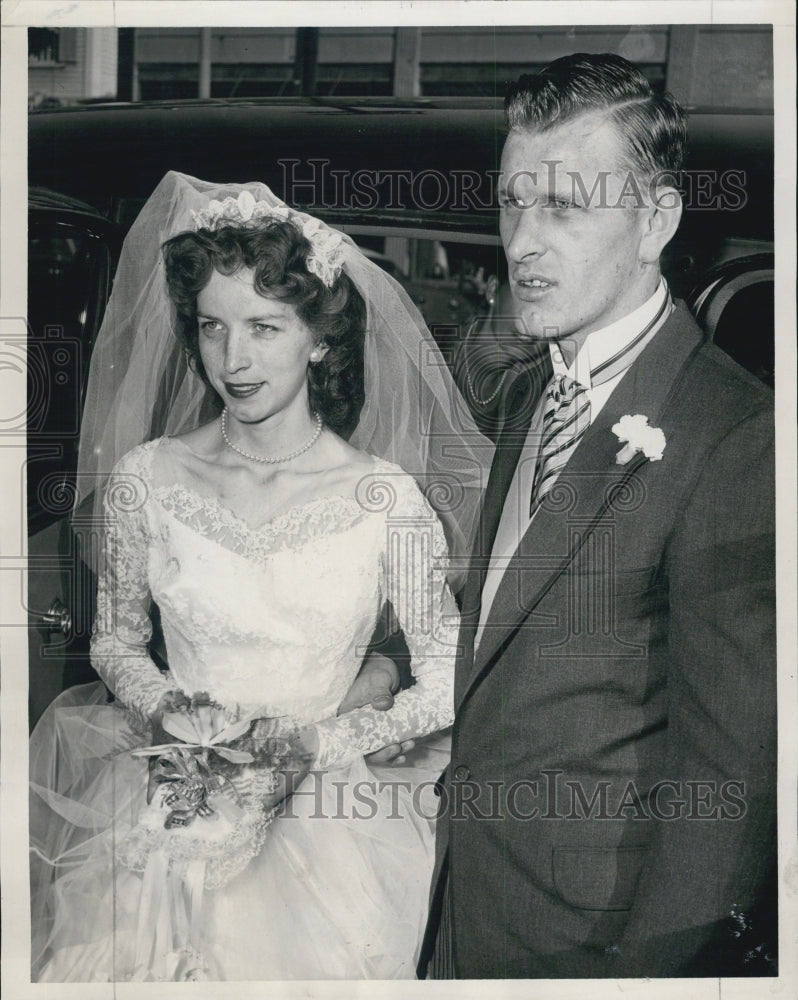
(610, 802)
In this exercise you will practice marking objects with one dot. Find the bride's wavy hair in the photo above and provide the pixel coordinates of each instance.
(277, 253)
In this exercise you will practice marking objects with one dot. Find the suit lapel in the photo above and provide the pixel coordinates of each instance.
(586, 483)
(519, 405)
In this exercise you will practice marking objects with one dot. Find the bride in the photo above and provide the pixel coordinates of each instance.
(217, 820)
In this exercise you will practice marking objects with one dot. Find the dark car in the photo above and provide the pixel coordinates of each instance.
(72, 253)
(413, 183)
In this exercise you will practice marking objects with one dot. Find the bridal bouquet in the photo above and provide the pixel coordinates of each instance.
(210, 789)
(196, 769)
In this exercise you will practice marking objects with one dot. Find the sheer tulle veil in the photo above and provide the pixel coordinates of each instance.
(141, 387)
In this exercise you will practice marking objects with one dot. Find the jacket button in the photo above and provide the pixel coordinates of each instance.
(461, 772)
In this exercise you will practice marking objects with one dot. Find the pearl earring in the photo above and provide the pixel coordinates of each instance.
(491, 288)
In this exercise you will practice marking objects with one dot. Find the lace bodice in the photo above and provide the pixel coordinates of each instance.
(274, 621)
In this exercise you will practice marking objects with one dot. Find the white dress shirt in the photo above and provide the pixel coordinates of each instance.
(598, 347)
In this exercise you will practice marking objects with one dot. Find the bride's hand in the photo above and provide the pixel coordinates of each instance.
(172, 701)
(305, 747)
(395, 753)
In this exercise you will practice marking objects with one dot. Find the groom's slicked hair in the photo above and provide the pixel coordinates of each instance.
(651, 126)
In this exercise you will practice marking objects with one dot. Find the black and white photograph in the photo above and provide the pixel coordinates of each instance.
(399, 499)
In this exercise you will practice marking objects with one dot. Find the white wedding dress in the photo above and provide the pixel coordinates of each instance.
(270, 620)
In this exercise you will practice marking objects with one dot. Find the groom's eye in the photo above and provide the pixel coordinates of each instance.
(560, 204)
(507, 200)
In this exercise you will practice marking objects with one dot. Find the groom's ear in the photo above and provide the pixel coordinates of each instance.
(662, 217)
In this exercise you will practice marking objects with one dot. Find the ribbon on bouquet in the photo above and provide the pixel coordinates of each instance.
(169, 927)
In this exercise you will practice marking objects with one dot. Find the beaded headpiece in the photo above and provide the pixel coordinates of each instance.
(326, 257)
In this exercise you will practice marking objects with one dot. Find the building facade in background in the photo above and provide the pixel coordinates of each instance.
(66, 65)
(718, 66)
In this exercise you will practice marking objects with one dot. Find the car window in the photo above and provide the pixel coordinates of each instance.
(444, 276)
(69, 272)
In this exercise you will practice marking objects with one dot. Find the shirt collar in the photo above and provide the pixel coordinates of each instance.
(606, 342)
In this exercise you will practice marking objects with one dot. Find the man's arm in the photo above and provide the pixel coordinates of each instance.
(375, 685)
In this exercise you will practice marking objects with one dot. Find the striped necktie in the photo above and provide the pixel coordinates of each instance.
(565, 420)
(566, 416)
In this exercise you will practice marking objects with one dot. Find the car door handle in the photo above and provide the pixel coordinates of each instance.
(58, 617)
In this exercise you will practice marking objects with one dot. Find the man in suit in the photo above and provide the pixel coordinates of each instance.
(609, 808)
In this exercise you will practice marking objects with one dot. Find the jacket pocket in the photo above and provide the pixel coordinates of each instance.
(597, 878)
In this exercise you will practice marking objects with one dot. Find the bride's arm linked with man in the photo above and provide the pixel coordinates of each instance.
(608, 674)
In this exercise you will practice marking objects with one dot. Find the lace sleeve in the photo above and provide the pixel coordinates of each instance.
(122, 627)
(414, 580)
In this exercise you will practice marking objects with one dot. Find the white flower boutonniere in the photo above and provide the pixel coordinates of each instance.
(635, 434)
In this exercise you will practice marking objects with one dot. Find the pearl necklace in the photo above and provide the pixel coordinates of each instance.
(478, 399)
(262, 458)
(469, 380)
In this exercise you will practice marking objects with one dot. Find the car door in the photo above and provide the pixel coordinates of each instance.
(71, 258)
